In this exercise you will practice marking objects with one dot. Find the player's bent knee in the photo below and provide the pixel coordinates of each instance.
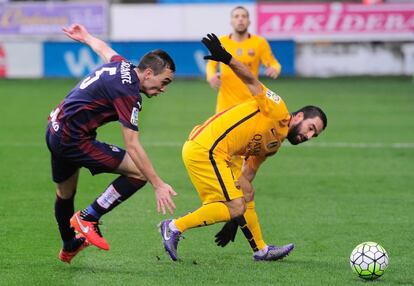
(129, 169)
(241, 210)
(237, 207)
(67, 189)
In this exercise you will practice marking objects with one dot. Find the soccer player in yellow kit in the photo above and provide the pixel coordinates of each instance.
(255, 129)
(249, 49)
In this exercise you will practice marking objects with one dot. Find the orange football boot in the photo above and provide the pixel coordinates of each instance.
(89, 229)
(67, 256)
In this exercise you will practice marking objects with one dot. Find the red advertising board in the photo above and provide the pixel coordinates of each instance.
(336, 21)
(3, 67)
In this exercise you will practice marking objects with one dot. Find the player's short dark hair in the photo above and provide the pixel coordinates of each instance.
(239, 7)
(311, 111)
(158, 60)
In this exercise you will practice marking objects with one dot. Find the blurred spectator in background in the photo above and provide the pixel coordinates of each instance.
(251, 50)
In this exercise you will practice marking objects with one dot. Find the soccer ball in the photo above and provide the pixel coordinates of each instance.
(369, 260)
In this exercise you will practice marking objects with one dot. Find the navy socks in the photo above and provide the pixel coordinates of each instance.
(117, 192)
(64, 209)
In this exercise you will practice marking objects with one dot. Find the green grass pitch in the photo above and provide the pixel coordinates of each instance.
(354, 183)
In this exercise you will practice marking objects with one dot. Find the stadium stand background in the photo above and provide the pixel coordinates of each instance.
(30, 51)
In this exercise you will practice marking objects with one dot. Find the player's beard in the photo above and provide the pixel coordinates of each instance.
(293, 137)
(241, 32)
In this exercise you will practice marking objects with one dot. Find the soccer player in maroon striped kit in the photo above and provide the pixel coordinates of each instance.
(112, 92)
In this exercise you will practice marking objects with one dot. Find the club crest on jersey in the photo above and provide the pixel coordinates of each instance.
(114, 148)
(134, 116)
(273, 96)
(239, 52)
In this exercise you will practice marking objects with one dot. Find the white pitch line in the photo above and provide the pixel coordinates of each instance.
(353, 145)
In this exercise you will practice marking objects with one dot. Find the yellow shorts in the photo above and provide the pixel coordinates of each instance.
(236, 166)
(212, 177)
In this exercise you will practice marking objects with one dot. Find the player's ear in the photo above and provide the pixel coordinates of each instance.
(148, 73)
(298, 117)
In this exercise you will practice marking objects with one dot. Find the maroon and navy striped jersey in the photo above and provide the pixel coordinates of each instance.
(110, 93)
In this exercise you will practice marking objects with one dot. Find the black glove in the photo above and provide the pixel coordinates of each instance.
(218, 53)
(227, 233)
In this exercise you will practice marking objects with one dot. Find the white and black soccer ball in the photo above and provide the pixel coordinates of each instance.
(369, 260)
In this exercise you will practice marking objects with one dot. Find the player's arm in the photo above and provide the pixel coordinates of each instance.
(212, 76)
(242, 72)
(79, 33)
(273, 107)
(219, 54)
(137, 153)
(250, 167)
(273, 67)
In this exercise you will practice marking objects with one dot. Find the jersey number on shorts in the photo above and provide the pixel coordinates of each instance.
(89, 80)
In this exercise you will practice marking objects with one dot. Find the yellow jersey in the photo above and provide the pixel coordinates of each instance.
(251, 52)
(254, 128)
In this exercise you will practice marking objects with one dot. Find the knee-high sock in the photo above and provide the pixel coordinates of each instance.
(250, 226)
(64, 209)
(206, 215)
(117, 192)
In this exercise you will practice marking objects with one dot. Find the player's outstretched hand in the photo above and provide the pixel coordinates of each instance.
(76, 32)
(215, 81)
(271, 72)
(163, 195)
(218, 53)
(227, 233)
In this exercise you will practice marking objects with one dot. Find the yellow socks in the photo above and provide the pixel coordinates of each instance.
(218, 212)
(206, 215)
(252, 224)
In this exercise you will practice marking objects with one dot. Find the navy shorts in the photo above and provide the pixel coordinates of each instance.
(67, 158)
